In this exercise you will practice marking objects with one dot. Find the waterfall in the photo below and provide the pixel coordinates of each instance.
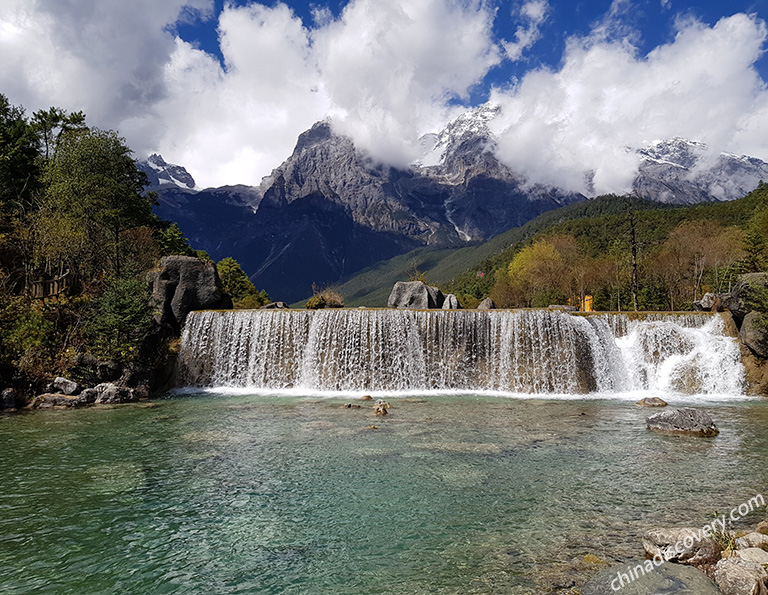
(518, 351)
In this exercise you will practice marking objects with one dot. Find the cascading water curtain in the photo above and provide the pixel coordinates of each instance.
(531, 351)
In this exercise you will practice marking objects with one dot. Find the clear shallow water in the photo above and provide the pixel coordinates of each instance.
(261, 494)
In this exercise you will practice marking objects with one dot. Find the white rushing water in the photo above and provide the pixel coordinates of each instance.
(519, 351)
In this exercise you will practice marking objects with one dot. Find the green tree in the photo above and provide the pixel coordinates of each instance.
(172, 241)
(119, 319)
(237, 284)
(93, 180)
(19, 166)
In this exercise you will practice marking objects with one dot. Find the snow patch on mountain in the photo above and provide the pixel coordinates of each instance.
(437, 147)
(161, 173)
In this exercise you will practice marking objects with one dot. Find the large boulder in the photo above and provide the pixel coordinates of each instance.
(416, 295)
(64, 386)
(712, 302)
(750, 293)
(751, 540)
(8, 398)
(183, 284)
(451, 303)
(111, 394)
(645, 577)
(685, 546)
(754, 333)
(735, 576)
(683, 421)
(487, 304)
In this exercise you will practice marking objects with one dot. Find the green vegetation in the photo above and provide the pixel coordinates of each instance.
(77, 236)
(324, 298)
(237, 284)
(679, 254)
(647, 259)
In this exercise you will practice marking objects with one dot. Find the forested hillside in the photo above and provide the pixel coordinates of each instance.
(625, 253)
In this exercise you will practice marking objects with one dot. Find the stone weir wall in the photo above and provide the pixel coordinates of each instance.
(517, 351)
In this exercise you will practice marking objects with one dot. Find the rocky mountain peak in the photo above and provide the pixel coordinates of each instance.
(161, 173)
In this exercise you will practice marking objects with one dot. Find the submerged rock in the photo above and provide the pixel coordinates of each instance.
(275, 306)
(646, 578)
(652, 402)
(735, 576)
(685, 546)
(683, 421)
(416, 295)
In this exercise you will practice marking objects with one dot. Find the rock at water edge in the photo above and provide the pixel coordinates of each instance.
(645, 578)
(735, 576)
(685, 546)
(486, 304)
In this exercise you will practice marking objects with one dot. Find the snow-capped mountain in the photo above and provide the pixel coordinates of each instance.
(329, 211)
(682, 171)
(161, 173)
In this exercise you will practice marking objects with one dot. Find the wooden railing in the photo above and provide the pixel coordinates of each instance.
(45, 288)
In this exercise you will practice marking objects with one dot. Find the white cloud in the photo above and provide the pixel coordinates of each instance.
(386, 72)
(533, 14)
(557, 125)
(105, 57)
(391, 68)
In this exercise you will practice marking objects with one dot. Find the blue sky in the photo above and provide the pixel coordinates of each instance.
(653, 20)
(225, 89)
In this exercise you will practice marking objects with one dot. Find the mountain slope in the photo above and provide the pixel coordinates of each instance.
(328, 211)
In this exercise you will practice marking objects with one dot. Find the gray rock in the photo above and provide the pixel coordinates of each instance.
(751, 540)
(753, 554)
(712, 302)
(486, 304)
(183, 284)
(652, 402)
(416, 295)
(683, 421)
(64, 386)
(275, 306)
(681, 545)
(668, 579)
(55, 400)
(88, 395)
(111, 393)
(8, 398)
(754, 333)
(451, 303)
(735, 576)
(750, 293)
